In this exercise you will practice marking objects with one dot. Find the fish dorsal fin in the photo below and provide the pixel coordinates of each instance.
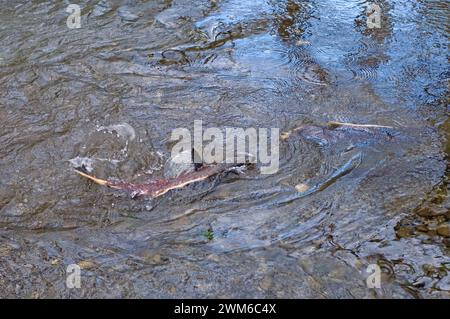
(196, 159)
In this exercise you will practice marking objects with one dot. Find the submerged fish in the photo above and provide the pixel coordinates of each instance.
(336, 131)
(159, 187)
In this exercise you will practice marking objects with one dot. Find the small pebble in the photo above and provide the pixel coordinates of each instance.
(443, 230)
(301, 187)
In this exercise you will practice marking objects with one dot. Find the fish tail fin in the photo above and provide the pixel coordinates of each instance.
(83, 172)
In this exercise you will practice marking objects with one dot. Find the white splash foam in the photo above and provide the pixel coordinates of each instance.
(123, 130)
(88, 162)
(82, 161)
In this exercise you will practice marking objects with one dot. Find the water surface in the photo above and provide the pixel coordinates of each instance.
(110, 93)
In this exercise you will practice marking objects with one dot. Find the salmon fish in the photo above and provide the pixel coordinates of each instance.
(160, 187)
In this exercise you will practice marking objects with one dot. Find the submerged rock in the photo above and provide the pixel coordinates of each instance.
(443, 230)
